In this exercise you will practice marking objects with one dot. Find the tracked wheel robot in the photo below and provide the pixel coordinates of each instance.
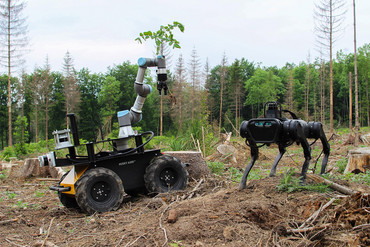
(273, 128)
(98, 182)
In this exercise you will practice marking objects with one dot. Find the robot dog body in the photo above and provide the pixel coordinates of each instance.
(284, 132)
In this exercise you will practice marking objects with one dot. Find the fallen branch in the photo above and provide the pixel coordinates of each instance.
(14, 243)
(4, 222)
(308, 229)
(191, 194)
(47, 235)
(361, 226)
(314, 216)
(129, 244)
(160, 223)
(342, 189)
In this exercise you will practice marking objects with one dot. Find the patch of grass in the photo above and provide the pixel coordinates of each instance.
(176, 244)
(234, 174)
(21, 204)
(361, 178)
(216, 168)
(3, 174)
(341, 164)
(290, 184)
(10, 195)
(39, 193)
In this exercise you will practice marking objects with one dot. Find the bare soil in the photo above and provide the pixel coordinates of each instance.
(211, 212)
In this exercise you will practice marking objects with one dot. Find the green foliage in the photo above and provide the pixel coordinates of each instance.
(10, 195)
(361, 178)
(163, 35)
(3, 174)
(290, 184)
(263, 86)
(176, 244)
(20, 204)
(39, 193)
(341, 164)
(7, 153)
(232, 173)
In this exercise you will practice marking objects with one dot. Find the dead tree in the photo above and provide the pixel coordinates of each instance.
(329, 16)
(13, 32)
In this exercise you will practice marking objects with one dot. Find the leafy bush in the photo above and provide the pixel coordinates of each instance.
(7, 153)
(290, 184)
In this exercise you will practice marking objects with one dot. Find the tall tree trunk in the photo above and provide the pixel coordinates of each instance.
(236, 107)
(36, 123)
(357, 123)
(322, 106)
(10, 140)
(308, 91)
(221, 95)
(350, 101)
(46, 121)
(331, 71)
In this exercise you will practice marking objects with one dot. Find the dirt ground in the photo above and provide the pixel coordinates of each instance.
(211, 212)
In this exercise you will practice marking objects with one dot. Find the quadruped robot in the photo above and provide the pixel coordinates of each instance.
(98, 182)
(273, 128)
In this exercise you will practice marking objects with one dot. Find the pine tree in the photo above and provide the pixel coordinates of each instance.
(194, 80)
(223, 70)
(180, 78)
(71, 92)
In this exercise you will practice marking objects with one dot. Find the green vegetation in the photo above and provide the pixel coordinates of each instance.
(39, 193)
(289, 183)
(10, 195)
(20, 204)
(234, 174)
(361, 178)
(3, 174)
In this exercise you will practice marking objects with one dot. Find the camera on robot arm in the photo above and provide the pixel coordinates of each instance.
(273, 128)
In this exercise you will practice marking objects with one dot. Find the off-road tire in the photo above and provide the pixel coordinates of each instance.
(65, 199)
(165, 173)
(99, 190)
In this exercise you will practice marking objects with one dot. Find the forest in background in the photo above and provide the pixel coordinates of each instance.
(201, 98)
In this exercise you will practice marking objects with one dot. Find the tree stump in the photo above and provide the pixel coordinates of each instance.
(197, 166)
(358, 160)
(31, 167)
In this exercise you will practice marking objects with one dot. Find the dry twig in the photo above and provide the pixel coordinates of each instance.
(314, 216)
(191, 194)
(131, 243)
(4, 222)
(160, 223)
(308, 229)
(14, 243)
(47, 235)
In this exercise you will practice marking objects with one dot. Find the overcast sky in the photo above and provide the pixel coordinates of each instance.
(99, 34)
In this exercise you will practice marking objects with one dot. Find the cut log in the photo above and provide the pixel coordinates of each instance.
(197, 166)
(358, 160)
(31, 167)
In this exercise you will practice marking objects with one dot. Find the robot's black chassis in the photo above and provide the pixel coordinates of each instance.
(97, 182)
(284, 132)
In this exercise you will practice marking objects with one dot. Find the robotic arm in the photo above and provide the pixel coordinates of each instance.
(128, 117)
